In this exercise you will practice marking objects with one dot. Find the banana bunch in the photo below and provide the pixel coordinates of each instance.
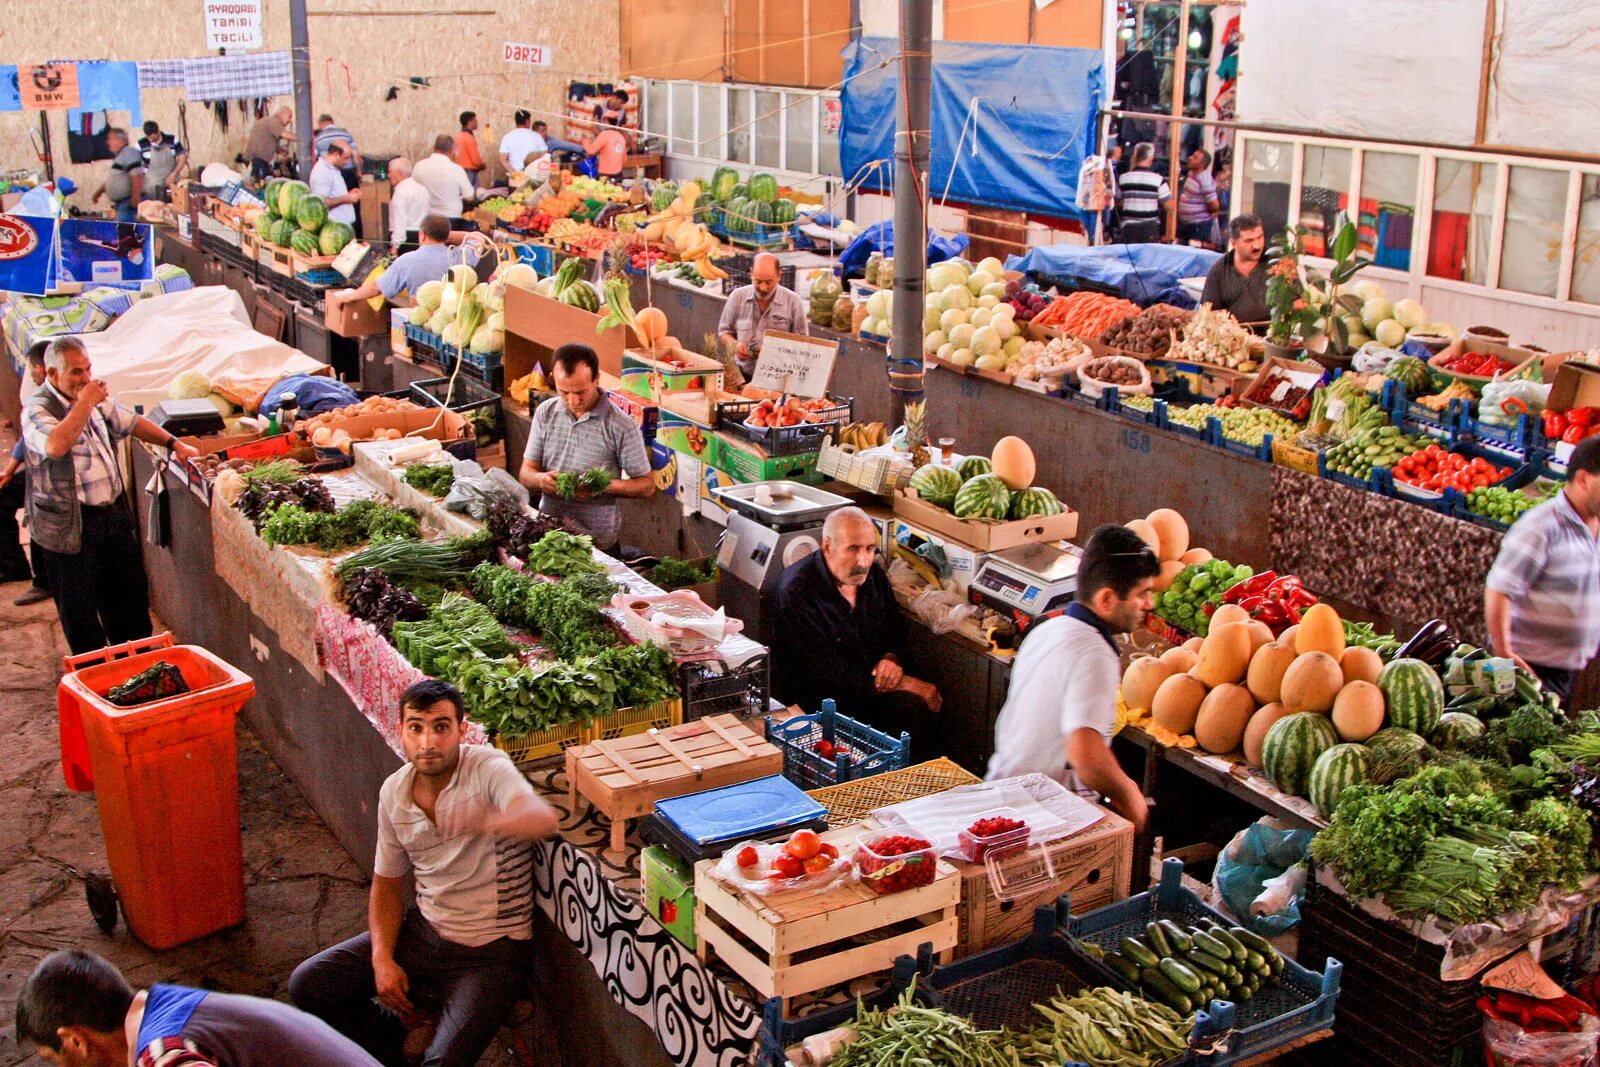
(864, 435)
(677, 229)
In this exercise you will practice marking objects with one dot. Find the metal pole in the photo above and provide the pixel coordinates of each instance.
(300, 59)
(1180, 76)
(910, 222)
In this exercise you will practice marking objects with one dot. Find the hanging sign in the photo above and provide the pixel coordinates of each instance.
(233, 24)
(527, 55)
(790, 363)
(27, 252)
(48, 86)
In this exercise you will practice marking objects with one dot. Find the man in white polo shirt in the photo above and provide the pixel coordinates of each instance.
(1059, 715)
(462, 821)
(448, 188)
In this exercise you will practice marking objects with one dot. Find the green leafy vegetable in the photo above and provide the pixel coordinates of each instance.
(672, 574)
(563, 555)
(435, 479)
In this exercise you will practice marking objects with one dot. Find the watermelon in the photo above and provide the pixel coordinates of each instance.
(1394, 736)
(269, 194)
(333, 236)
(1455, 729)
(663, 195)
(973, 466)
(1291, 748)
(762, 212)
(1034, 501)
(580, 294)
(763, 187)
(782, 212)
(1410, 372)
(1414, 695)
(739, 189)
(936, 484)
(723, 179)
(312, 213)
(289, 197)
(264, 224)
(983, 497)
(304, 242)
(282, 231)
(1336, 770)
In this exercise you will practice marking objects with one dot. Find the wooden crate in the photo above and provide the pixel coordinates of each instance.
(795, 942)
(625, 776)
(1094, 865)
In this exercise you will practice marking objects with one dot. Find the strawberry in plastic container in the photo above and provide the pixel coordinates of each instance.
(998, 829)
(892, 862)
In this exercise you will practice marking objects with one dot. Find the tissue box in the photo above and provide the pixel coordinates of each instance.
(669, 892)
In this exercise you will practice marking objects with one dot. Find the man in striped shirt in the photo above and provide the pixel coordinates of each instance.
(1143, 197)
(1197, 202)
(1542, 604)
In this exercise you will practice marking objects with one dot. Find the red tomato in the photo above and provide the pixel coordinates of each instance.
(787, 866)
(747, 856)
(829, 849)
(803, 844)
(818, 864)
(825, 749)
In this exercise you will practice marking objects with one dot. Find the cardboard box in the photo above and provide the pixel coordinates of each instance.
(1576, 385)
(644, 374)
(688, 437)
(1510, 353)
(435, 424)
(1201, 379)
(668, 888)
(987, 536)
(547, 324)
(710, 478)
(277, 260)
(750, 463)
(905, 538)
(399, 343)
(356, 318)
(641, 410)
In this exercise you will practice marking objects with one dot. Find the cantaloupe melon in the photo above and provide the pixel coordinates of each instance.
(1227, 613)
(1321, 630)
(1169, 570)
(1291, 635)
(1358, 711)
(1177, 703)
(1260, 634)
(1224, 713)
(1225, 656)
(1360, 664)
(1255, 731)
(1181, 660)
(1193, 644)
(1012, 461)
(1267, 668)
(1147, 533)
(1172, 532)
(1312, 682)
(1141, 680)
(1195, 555)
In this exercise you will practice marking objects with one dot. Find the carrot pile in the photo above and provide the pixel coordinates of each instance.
(1085, 314)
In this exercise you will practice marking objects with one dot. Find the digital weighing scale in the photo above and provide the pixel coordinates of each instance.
(1027, 581)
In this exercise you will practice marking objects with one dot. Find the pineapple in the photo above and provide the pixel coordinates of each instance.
(916, 419)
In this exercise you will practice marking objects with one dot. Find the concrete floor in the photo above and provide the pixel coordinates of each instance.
(303, 893)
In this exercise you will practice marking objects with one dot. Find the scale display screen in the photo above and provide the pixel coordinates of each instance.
(1007, 586)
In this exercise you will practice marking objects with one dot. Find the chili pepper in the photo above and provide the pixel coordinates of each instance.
(1272, 613)
(1550, 1015)
(1304, 598)
(1488, 1007)
(1283, 588)
(1292, 613)
(1251, 603)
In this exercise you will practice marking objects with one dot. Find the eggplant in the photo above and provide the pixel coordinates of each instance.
(1432, 643)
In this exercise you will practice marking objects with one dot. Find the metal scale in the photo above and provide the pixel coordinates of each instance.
(770, 525)
(1027, 581)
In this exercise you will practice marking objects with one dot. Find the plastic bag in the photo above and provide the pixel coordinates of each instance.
(760, 878)
(1373, 358)
(474, 489)
(942, 610)
(1256, 855)
(1509, 1045)
(1530, 396)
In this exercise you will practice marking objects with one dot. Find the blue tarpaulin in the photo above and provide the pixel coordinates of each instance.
(1140, 273)
(879, 237)
(1023, 116)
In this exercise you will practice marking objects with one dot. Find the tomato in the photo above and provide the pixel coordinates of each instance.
(825, 749)
(787, 866)
(803, 844)
(748, 857)
(829, 849)
(818, 864)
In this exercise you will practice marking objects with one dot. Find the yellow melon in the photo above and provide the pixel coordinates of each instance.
(1255, 732)
(1228, 613)
(1169, 570)
(1225, 656)
(1321, 630)
(1193, 644)
(1195, 555)
(1358, 711)
(1268, 664)
(1141, 680)
(1172, 531)
(1260, 634)
(1181, 660)
(1012, 461)
(1312, 682)
(1147, 533)
(1360, 664)
(1177, 702)
(1224, 713)
(1290, 636)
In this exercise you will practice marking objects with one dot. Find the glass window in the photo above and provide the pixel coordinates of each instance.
(1530, 252)
(1268, 167)
(801, 116)
(1463, 214)
(1586, 257)
(1388, 208)
(769, 123)
(828, 141)
(1324, 192)
(739, 116)
(683, 118)
(656, 112)
(709, 144)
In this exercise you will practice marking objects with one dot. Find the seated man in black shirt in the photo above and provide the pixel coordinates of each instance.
(839, 633)
(1237, 283)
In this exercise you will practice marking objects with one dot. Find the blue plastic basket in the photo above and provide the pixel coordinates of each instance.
(871, 751)
(1371, 483)
(778, 1033)
(1300, 1003)
(1451, 502)
(1413, 417)
(1156, 416)
(1207, 436)
(1263, 451)
(1511, 443)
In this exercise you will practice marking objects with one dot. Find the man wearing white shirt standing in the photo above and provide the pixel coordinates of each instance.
(327, 181)
(408, 202)
(520, 145)
(444, 178)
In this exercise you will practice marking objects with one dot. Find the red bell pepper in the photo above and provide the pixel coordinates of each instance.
(1251, 603)
(1582, 416)
(1255, 585)
(1272, 613)
(1555, 424)
(1575, 433)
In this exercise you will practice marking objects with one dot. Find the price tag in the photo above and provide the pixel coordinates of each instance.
(790, 363)
(1282, 390)
(1522, 974)
(1335, 409)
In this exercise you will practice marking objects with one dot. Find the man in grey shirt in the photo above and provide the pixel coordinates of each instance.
(754, 309)
(579, 429)
(125, 181)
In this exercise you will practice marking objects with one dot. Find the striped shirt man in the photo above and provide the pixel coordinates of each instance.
(94, 453)
(328, 135)
(1549, 568)
(1143, 194)
(603, 436)
(1199, 193)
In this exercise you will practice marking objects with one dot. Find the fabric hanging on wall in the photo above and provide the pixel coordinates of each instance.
(234, 77)
(10, 95)
(161, 73)
(86, 136)
(1447, 244)
(1394, 237)
(110, 87)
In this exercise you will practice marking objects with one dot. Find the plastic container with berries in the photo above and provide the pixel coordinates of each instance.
(890, 861)
(1001, 828)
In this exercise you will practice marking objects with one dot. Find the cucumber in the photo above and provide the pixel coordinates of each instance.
(1206, 962)
(1180, 941)
(1126, 969)
(1179, 975)
(1136, 951)
(1157, 983)
(1254, 959)
(1156, 938)
(1252, 940)
(1275, 962)
(1204, 942)
(1235, 949)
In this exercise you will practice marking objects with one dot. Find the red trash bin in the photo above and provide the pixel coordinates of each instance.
(165, 775)
(75, 767)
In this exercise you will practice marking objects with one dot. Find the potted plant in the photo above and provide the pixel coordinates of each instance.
(1306, 305)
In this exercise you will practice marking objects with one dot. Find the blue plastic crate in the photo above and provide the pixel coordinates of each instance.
(1370, 484)
(1301, 1002)
(1442, 502)
(1406, 413)
(1263, 451)
(871, 751)
(1156, 416)
(1207, 436)
(777, 1033)
(1451, 502)
(541, 258)
(1513, 443)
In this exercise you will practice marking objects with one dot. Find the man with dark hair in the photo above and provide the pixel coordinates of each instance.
(1197, 202)
(266, 142)
(466, 152)
(1237, 283)
(521, 144)
(614, 112)
(124, 185)
(1062, 707)
(447, 185)
(429, 263)
(555, 144)
(462, 820)
(164, 157)
(76, 1009)
(579, 429)
(1542, 601)
(328, 182)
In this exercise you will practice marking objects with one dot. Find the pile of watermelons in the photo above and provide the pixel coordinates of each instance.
(298, 220)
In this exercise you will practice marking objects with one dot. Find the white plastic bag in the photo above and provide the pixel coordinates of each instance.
(760, 877)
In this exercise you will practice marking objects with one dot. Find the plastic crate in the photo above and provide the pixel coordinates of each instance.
(711, 687)
(1300, 1003)
(871, 751)
(625, 722)
(738, 267)
(471, 399)
(1263, 451)
(784, 440)
(542, 744)
(1450, 502)
(1370, 484)
(778, 1034)
(1206, 436)
(1515, 443)
(1413, 417)
(1156, 416)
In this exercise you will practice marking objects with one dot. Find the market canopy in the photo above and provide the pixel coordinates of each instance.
(1141, 273)
(1021, 116)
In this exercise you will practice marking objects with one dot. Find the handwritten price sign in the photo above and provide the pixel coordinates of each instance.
(790, 363)
(526, 55)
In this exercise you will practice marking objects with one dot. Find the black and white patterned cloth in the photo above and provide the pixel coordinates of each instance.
(238, 77)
